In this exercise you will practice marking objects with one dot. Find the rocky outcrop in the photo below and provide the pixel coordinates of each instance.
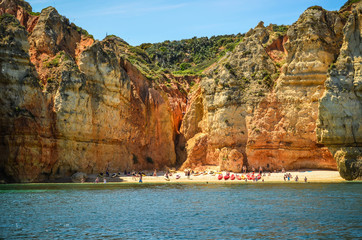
(340, 109)
(283, 127)
(52, 39)
(78, 107)
(25, 137)
(21, 10)
(215, 124)
(79, 177)
(269, 123)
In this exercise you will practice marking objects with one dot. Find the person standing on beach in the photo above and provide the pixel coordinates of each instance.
(155, 173)
(260, 170)
(244, 169)
(305, 179)
(140, 181)
(104, 180)
(97, 180)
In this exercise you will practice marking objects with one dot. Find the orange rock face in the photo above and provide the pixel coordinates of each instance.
(72, 104)
(276, 49)
(21, 10)
(84, 107)
(282, 135)
(282, 131)
(268, 122)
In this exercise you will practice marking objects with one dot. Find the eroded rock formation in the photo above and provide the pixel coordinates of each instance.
(74, 105)
(340, 110)
(71, 104)
(283, 127)
(215, 125)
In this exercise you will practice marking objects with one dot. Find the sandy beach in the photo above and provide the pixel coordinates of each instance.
(325, 176)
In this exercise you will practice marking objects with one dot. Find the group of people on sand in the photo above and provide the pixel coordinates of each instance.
(252, 175)
(288, 176)
(253, 170)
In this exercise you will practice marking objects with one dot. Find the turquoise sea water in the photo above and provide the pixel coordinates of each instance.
(176, 211)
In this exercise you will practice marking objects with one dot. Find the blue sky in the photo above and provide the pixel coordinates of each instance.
(140, 21)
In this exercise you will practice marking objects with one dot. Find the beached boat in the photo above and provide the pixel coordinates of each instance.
(226, 177)
(232, 177)
(219, 177)
(238, 177)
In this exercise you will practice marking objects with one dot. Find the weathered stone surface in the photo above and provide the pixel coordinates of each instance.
(21, 10)
(340, 110)
(70, 104)
(26, 150)
(282, 131)
(79, 177)
(215, 126)
(82, 108)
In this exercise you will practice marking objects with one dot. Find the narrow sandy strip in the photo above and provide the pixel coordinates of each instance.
(312, 176)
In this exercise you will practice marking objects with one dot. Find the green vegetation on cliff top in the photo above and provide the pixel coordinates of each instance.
(137, 57)
(190, 56)
(185, 57)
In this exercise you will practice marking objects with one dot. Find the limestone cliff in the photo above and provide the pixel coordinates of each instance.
(215, 125)
(283, 132)
(340, 109)
(281, 99)
(71, 104)
(25, 134)
(242, 113)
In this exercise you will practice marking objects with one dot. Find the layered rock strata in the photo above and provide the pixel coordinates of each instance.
(340, 109)
(215, 125)
(78, 106)
(25, 133)
(282, 131)
(71, 104)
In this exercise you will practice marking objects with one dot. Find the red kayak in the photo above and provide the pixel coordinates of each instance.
(226, 177)
(219, 177)
(238, 177)
(232, 177)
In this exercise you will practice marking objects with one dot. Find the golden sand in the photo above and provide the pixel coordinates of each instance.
(326, 176)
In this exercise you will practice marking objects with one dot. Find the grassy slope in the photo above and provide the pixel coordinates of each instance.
(190, 56)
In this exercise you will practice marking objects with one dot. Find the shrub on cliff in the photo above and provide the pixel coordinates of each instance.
(184, 66)
(82, 31)
(9, 20)
(316, 8)
(200, 53)
(348, 3)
